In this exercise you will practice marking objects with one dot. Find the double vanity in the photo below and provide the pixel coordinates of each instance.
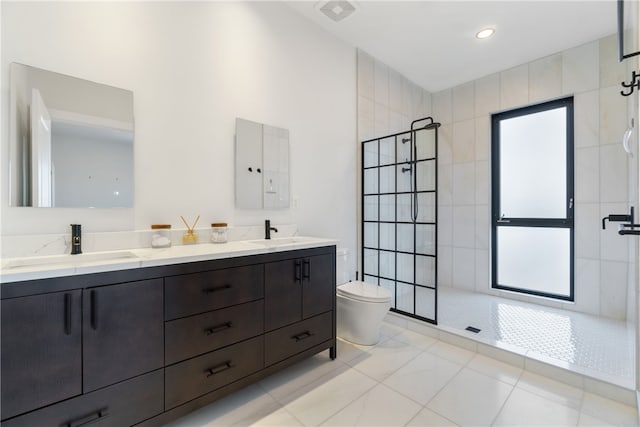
(145, 336)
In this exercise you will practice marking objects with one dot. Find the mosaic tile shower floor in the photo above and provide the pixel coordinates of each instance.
(583, 343)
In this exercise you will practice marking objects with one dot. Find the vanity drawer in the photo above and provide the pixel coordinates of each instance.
(191, 336)
(123, 404)
(195, 377)
(201, 292)
(298, 337)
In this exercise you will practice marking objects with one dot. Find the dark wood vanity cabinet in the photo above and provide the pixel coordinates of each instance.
(123, 332)
(63, 345)
(148, 345)
(41, 351)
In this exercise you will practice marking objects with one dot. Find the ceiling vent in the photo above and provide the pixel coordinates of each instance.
(337, 10)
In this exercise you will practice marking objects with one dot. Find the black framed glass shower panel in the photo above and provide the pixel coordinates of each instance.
(399, 249)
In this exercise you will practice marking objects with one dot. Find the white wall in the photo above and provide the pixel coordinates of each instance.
(194, 68)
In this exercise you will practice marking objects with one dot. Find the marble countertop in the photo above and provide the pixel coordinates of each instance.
(31, 268)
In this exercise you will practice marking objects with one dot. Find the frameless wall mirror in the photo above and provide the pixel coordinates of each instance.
(70, 141)
(261, 166)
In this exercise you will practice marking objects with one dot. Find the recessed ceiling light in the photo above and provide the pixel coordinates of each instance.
(485, 33)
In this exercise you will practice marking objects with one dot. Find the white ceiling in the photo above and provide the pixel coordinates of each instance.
(433, 43)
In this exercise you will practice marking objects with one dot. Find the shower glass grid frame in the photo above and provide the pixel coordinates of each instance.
(424, 263)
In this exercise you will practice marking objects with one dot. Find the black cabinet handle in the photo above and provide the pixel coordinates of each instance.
(89, 419)
(218, 328)
(218, 368)
(215, 289)
(297, 271)
(306, 271)
(94, 309)
(67, 314)
(302, 336)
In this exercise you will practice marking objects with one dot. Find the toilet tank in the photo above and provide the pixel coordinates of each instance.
(342, 266)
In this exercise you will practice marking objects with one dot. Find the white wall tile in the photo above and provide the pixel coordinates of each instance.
(587, 286)
(612, 72)
(464, 275)
(587, 230)
(613, 115)
(586, 111)
(580, 68)
(445, 265)
(483, 226)
(464, 189)
(397, 122)
(395, 90)
(587, 175)
(464, 102)
(381, 82)
(366, 75)
(427, 110)
(613, 289)
(545, 78)
(483, 281)
(482, 182)
(441, 104)
(487, 91)
(445, 185)
(381, 126)
(614, 185)
(445, 144)
(464, 141)
(483, 138)
(514, 87)
(445, 225)
(464, 223)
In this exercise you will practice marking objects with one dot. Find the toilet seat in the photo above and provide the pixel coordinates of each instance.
(366, 292)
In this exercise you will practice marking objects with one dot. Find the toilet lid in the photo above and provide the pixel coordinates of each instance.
(362, 291)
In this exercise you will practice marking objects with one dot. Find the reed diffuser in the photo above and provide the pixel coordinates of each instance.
(189, 236)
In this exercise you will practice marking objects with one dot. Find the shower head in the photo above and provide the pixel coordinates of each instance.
(434, 125)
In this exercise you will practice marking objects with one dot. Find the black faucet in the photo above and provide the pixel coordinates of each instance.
(76, 239)
(268, 228)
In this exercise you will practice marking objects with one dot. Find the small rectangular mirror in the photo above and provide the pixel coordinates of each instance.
(261, 166)
(70, 141)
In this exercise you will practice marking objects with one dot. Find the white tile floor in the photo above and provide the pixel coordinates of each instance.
(409, 379)
(590, 345)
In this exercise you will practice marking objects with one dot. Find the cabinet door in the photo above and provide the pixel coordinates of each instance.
(41, 355)
(318, 284)
(122, 331)
(283, 293)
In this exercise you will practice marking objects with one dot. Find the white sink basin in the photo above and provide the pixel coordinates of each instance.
(279, 241)
(67, 259)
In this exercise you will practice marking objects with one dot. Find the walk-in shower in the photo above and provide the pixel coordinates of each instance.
(399, 199)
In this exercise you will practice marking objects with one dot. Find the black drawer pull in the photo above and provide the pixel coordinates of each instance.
(302, 336)
(218, 368)
(94, 309)
(218, 328)
(297, 271)
(67, 314)
(306, 271)
(215, 289)
(89, 419)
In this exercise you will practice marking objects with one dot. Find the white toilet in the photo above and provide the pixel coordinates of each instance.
(361, 306)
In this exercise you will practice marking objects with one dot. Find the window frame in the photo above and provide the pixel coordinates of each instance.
(567, 222)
